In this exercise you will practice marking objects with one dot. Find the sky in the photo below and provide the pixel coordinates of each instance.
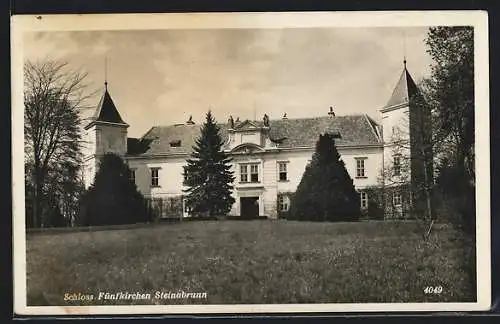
(161, 77)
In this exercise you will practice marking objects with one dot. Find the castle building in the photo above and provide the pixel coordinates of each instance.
(269, 156)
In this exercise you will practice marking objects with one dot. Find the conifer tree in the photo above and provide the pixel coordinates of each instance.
(113, 198)
(208, 174)
(326, 191)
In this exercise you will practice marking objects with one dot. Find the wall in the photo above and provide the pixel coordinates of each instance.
(88, 145)
(248, 137)
(88, 151)
(169, 176)
(397, 120)
(111, 139)
(373, 164)
(89, 171)
(100, 139)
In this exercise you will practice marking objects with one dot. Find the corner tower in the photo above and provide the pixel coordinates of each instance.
(106, 133)
(407, 152)
(395, 113)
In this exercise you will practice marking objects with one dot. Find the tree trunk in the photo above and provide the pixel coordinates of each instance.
(36, 198)
(35, 209)
(428, 196)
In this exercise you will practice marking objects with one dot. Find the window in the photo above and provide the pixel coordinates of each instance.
(397, 165)
(363, 197)
(132, 175)
(254, 172)
(360, 168)
(282, 170)
(396, 199)
(154, 177)
(175, 143)
(243, 173)
(249, 172)
(283, 203)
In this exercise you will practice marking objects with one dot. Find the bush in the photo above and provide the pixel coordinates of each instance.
(374, 210)
(326, 191)
(456, 198)
(113, 199)
(169, 207)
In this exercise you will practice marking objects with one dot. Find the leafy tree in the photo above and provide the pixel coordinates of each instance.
(53, 99)
(450, 92)
(113, 198)
(208, 174)
(326, 191)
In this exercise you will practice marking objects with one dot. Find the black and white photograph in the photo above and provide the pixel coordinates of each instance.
(251, 162)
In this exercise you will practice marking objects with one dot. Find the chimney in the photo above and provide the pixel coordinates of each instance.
(190, 120)
(284, 117)
(331, 113)
(266, 120)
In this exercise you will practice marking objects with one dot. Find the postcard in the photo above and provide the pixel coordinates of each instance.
(239, 163)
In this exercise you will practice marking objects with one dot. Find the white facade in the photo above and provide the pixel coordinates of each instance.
(268, 183)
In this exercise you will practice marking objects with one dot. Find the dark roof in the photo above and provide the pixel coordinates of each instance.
(289, 133)
(403, 90)
(106, 110)
(135, 146)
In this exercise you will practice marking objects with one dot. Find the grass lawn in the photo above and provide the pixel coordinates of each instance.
(253, 262)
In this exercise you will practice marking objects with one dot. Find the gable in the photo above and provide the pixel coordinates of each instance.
(247, 125)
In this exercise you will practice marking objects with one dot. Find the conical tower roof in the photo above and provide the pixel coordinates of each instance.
(106, 110)
(403, 91)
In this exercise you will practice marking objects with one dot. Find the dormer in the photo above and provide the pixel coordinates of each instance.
(249, 132)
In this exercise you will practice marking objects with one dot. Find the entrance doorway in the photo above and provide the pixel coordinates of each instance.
(249, 207)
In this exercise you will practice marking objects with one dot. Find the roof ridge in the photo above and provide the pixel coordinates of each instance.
(316, 117)
(259, 121)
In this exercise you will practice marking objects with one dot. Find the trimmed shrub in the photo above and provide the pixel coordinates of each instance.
(113, 199)
(326, 191)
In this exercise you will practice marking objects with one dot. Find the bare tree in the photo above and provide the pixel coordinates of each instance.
(54, 96)
(412, 147)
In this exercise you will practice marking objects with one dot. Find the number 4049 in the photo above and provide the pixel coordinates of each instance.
(433, 290)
